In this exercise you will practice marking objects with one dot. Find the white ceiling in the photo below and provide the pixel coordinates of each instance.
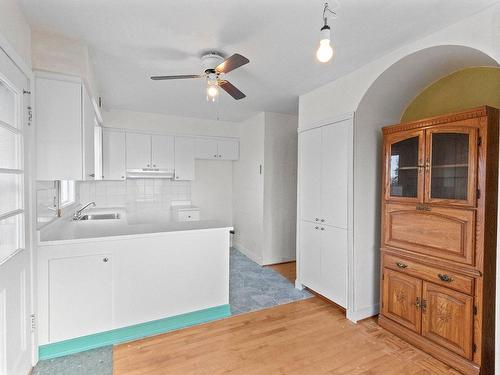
(130, 40)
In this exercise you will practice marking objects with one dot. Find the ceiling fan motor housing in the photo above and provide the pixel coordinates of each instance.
(210, 62)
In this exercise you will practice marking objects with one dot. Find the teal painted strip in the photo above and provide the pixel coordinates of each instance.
(138, 331)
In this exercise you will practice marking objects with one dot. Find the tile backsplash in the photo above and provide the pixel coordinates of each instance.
(135, 195)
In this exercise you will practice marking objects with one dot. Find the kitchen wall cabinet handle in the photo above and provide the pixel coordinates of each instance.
(322, 228)
(322, 220)
(316, 219)
(445, 278)
(92, 175)
(316, 227)
(401, 265)
(105, 260)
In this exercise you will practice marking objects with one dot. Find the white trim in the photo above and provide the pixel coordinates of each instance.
(326, 121)
(9, 127)
(248, 253)
(366, 312)
(156, 132)
(11, 171)
(15, 57)
(11, 213)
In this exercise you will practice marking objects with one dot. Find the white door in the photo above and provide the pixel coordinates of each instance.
(88, 136)
(310, 255)
(162, 152)
(138, 151)
(184, 158)
(228, 149)
(334, 264)
(206, 148)
(15, 253)
(80, 293)
(334, 173)
(310, 174)
(113, 155)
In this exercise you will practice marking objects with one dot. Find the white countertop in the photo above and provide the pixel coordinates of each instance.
(67, 230)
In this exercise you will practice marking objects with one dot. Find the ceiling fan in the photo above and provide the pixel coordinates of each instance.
(215, 69)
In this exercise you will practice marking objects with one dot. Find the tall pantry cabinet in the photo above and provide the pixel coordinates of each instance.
(438, 236)
(325, 164)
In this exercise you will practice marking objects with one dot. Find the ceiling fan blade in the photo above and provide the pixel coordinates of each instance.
(231, 90)
(182, 76)
(231, 63)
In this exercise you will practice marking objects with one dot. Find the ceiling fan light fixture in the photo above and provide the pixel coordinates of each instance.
(212, 90)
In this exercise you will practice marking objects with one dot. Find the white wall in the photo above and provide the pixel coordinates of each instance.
(248, 189)
(60, 54)
(280, 187)
(15, 29)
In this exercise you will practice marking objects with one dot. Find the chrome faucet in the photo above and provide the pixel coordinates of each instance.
(78, 213)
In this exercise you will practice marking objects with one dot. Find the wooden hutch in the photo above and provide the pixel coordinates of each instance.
(439, 234)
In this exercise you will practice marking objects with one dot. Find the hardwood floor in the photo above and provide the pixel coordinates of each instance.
(288, 270)
(306, 337)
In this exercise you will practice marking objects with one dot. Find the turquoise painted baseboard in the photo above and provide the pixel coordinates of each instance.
(134, 332)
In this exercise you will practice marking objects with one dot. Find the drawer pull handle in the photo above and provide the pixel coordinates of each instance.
(445, 278)
(401, 265)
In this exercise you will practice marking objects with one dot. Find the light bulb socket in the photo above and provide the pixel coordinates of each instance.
(325, 32)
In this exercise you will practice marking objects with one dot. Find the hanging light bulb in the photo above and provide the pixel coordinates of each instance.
(212, 90)
(325, 50)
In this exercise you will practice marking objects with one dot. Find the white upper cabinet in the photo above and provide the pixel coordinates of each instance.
(228, 149)
(65, 121)
(162, 152)
(310, 175)
(138, 151)
(113, 155)
(184, 158)
(206, 148)
(217, 148)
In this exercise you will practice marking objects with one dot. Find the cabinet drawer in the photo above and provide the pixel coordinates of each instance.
(445, 233)
(456, 281)
(190, 215)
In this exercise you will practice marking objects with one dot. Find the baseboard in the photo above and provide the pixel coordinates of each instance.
(130, 333)
(248, 253)
(367, 312)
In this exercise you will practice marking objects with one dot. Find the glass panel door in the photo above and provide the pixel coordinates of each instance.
(451, 165)
(404, 166)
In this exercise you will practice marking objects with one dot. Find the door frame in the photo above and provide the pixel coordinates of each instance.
(29, 149)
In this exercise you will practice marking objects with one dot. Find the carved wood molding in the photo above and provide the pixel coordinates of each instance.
(443, 119)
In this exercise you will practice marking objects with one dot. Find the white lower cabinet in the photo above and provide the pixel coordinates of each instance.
(323, 260)
(80, 296)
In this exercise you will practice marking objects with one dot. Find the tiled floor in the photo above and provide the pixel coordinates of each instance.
(251, 288)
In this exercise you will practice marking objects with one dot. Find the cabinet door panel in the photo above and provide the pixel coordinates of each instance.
(206, 148)
(446, 233)
(89, 124)
(310, 256)
(334, 174)
(451, 165)
(404, 156)
(400, 294)
(113, 155)
(162, 152)
(80, 293)
(228, 149)
(310, 174)
(447, 319)
(184, 158)
(138, 151)
(334, 264)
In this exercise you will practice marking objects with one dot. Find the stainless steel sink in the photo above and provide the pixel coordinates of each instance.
(100, 217)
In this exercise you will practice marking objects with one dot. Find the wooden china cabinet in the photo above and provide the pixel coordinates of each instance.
(438, 240)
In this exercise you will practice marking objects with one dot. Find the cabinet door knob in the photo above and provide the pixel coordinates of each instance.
(316, 219)
(105, 260)
(154, 165)
(316, 227)
(322, 220)
(220, 156)
(401, 265)
(148, 165)
(215, 155)
(445, 278)
(322, 228)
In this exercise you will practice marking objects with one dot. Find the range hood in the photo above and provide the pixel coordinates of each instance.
(150, 173)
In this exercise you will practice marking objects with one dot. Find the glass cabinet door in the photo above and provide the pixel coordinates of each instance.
(404, 158)
(451, 165)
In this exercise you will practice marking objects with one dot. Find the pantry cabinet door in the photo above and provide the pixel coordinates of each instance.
(447, 319)
(80, 296)
(113, 155)
(401, 299)
(310, 256)
(138, 151)
(334, 173)
(310, 175)
(162, 152)
(334, 264)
